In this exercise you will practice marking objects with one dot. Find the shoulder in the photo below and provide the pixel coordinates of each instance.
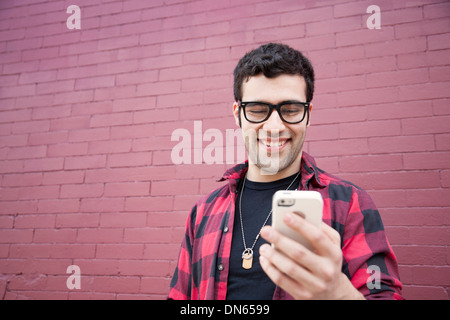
(346, 200)
(339, 188)
(214, 203)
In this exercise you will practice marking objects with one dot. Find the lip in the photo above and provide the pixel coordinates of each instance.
(276, 145)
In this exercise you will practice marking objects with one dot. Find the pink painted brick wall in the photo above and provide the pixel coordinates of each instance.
(86, 118)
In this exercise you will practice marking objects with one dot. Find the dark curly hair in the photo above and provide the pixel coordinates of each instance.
(273, 59)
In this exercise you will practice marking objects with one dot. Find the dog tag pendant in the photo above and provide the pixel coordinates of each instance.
(247, 259)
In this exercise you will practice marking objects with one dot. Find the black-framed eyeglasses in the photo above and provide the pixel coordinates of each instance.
(289, 111)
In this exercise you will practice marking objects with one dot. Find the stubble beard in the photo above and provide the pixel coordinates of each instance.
(271, 162)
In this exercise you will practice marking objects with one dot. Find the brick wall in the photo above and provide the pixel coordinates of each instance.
(86, 118)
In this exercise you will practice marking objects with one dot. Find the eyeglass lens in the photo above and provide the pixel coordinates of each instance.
(258, 112)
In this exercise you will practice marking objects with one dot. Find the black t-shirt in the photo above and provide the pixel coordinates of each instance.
(256, 204)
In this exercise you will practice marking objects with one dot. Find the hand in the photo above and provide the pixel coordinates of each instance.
(302, 273)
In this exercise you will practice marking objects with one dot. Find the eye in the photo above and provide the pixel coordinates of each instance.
(256, 108)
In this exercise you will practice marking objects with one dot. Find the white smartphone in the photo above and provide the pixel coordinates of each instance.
(308, 204)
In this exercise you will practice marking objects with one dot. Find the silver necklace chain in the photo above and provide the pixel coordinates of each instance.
(246, 249)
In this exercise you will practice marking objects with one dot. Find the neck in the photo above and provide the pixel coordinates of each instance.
(257, 174)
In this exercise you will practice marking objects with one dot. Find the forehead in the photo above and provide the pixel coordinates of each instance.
(274, 90)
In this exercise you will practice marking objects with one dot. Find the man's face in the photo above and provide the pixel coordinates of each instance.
(274, 146)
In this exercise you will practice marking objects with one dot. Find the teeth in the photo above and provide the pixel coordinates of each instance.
(274, 144)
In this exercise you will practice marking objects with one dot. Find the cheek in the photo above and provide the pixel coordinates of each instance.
(297, 132)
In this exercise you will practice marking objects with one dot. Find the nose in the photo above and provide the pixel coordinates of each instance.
(274, 122)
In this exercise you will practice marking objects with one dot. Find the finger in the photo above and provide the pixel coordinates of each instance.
(288, 266)
(283, 281)
(291, 248)
(298, 253)
(316, 236)
(332, 233)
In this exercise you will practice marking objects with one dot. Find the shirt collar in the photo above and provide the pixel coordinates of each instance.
(309, 173)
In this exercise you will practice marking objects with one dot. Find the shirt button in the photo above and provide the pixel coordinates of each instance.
(225, 229)
(220, 267)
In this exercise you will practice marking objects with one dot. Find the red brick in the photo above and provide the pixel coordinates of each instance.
(147, 235)
(94, 82)
(174, 187)
(73, 122)
(39, 76)
(436, 124)
(89, 135)
(109, 146)
(442, 141)
(431, 255)
(54, 235)
(401, 144)
(142, 103)
(38, 192)
(67, 149)
(16, 236)
(15, 207)
(430, 235)
(56, 86)
(102, 205)
(85, 162)
(58, 205)
(125, 219)
(431, 275)
(15, 115)
(25, 179)
(371, 163)
(137, 77)
(127, 189)
(77, 220)
(62, 177)
(424, 91)
(435, 160)
(81, 190)
(398, 110)
(395, 180)
(428, 198)
(155, 286)
(339, 147)
(366, 66)
(158, 88)
(113, 119)
(73, 97)
(47, 138)
(182, 46)
(368, 96)
(365, 36)
(148, 203)
(132, 131)
(445, 178)
(369, 129)
(116, 284)
(94, 235)
(397, 78)
(436, 10)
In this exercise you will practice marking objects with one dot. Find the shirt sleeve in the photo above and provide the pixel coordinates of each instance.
(369, 260)
(180, 286)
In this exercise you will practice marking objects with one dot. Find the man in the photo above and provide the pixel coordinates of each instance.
(226, 252)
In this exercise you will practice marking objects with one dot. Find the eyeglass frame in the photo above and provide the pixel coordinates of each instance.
(243, 104)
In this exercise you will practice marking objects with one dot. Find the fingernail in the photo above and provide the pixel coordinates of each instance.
(288, 218)
(265, 232)
(262, 260)
(263, 248)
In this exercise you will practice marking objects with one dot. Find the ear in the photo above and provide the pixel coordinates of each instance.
(237, 114)
(309, 115)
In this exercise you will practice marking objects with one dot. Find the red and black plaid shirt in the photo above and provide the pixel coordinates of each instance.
(204, 259)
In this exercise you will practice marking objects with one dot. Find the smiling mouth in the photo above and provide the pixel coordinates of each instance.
(274, 145)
